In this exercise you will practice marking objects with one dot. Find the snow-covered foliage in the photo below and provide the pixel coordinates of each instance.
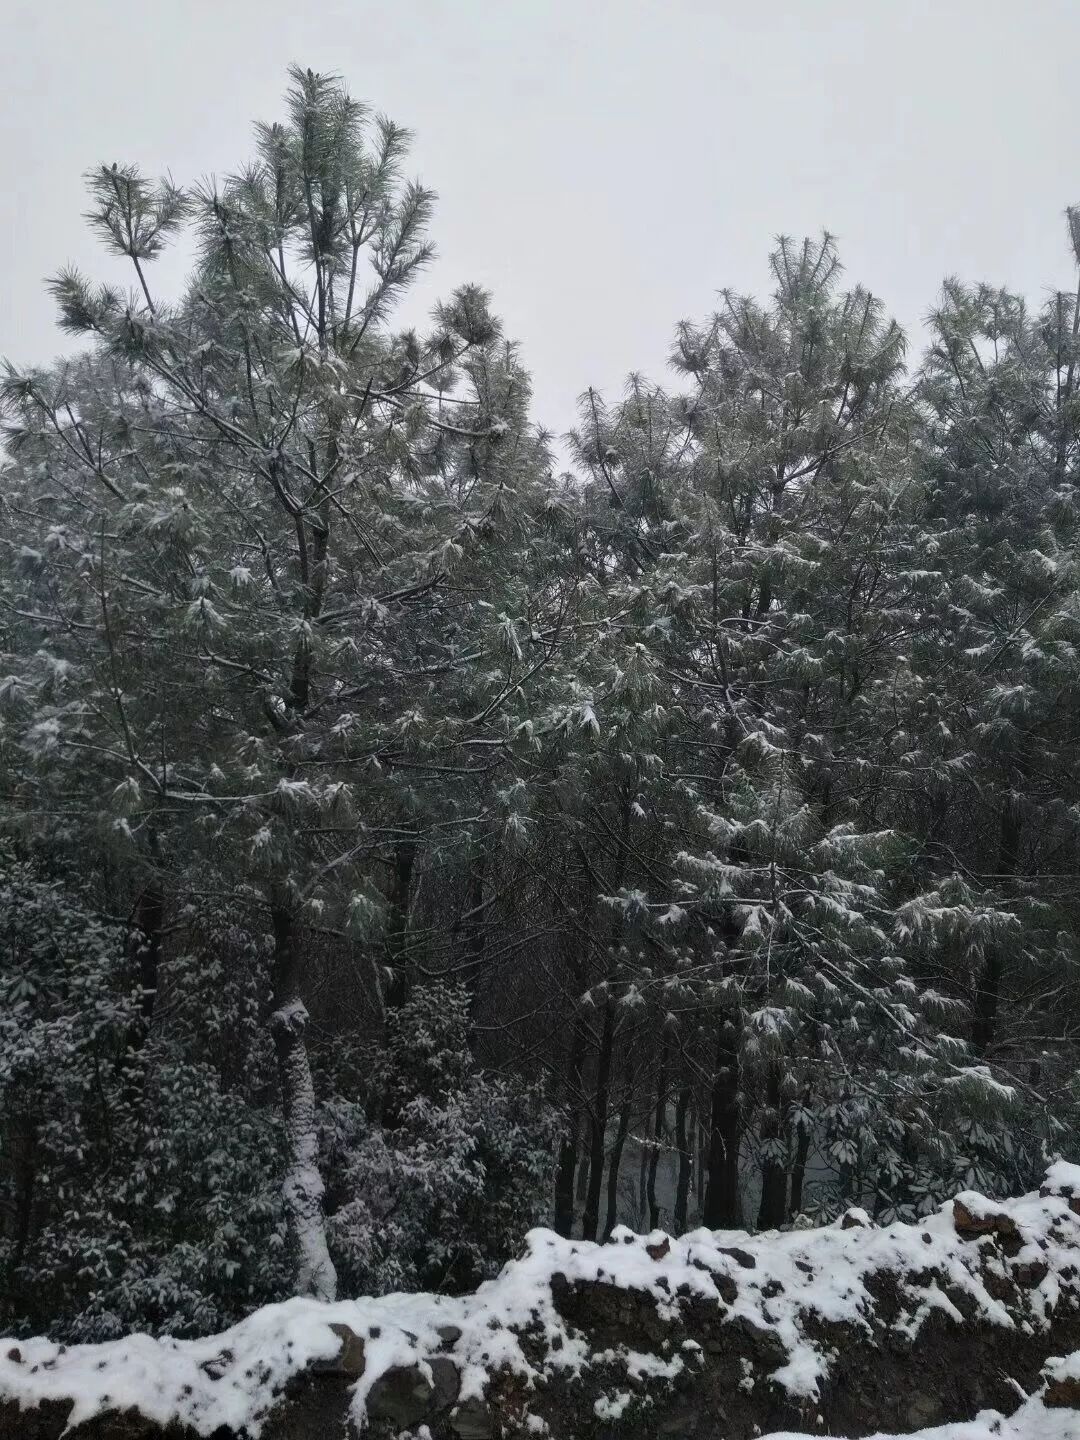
(142, 1170)
(434, 1190)
(140, 1181)
(288, 543)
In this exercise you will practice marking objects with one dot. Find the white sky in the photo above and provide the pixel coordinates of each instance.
(603, 166)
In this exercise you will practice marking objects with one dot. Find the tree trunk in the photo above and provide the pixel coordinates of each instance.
(598, 1123)
(657, 1138)
(564, 1179)
(590, 1220)
(400, 898)
(476, 944)
(643, 1178)
(773, 1205)
(701, 1156)
(303, 1187)
(682, 1187)
(568, 1150)
(144, 946)
(798, 1170)
(722, 1191)
(988, 993)
(583, 1175)
(613, 1166)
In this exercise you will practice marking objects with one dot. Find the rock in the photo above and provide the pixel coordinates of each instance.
(1031, 1273)
(741, 1257)
(922, 1411)
(1063, 1393)
(678, 1421)
(658, 1245)
(350, 1360)
(217, 1365)
(15, 1355)
(449, 1334)
(473, 1420)
(986, 1222)
(999, 1286)
(447, 1381)
(403, 1396)
(855, 1219)
(741, 1336)
(726, 1287)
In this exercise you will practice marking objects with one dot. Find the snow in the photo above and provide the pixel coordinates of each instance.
(978, 1206)
(778, 1280)
(227, 1379)
(611, 1407)
(1063, 1178)
(303, 1185)
(1033, 1421)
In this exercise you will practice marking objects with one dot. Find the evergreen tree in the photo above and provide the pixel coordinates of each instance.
(257, 529)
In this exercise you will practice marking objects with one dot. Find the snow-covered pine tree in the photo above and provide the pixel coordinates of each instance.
(256, 539)
(764, 529)
(994, 691)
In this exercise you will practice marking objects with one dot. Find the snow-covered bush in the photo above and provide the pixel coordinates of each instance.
(136, 1190)
(437, 1191)
(178, 1229)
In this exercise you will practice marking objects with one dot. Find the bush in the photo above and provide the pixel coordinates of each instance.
(136, 1191)
(436, 1192)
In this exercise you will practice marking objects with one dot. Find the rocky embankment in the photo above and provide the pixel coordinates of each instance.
(847, 1330)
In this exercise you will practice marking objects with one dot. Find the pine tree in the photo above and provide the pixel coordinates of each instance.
(253, 526)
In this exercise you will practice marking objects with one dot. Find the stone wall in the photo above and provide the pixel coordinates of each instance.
(697, 1337)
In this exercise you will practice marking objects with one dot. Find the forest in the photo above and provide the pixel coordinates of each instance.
(417, 826)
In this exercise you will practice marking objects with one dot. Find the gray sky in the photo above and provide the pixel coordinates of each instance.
(603, 166)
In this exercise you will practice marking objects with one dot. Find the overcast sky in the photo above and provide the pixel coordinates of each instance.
(603, 166)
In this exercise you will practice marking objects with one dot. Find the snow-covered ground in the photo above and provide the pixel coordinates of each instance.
(773, 1281)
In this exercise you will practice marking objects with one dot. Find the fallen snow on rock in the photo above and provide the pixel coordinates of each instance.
(772, 1282)
(1033, 1421)
(1052, 1414)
